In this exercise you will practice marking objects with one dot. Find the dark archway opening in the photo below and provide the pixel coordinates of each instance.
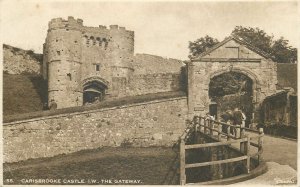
(93, 92)
(232, 90)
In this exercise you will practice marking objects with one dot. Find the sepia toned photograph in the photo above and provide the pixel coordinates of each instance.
(149, 92)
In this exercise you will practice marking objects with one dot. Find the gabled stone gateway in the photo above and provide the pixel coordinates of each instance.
(233, 47)
(231, 55)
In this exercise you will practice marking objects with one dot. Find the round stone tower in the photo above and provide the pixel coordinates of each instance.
(122, 57)
(86, 64)
(63, 61)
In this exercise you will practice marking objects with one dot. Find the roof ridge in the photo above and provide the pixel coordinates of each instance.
(252, 47)
(237, 39)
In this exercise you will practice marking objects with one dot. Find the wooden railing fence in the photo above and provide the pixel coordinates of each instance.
(208, 127)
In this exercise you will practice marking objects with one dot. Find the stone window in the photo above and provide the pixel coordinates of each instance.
(99, 41)
(86, 39)
(105, 43)
(97, 67)
(69, 75)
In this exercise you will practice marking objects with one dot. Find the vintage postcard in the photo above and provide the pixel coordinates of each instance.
(149, 92)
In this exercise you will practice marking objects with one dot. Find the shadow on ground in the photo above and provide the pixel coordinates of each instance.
(152, 165)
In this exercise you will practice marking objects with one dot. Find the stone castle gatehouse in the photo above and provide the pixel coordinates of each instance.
(86, 64)
(230, 55)
(82, 62)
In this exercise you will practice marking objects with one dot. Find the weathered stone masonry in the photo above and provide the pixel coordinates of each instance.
(230, 55)
(155, 123)
(76, 56)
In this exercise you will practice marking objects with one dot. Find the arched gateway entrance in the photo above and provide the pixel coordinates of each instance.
(231, 56)
(231, 90)
(93, 90)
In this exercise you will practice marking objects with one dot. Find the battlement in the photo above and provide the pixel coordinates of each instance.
(62, 23)
(72, 23)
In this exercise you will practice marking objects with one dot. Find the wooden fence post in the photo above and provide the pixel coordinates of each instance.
(196, 123)
(228, 133)
(242, 130)
(219, 131)
(201, 127)
(211, 124)
(260, 144)
(247, 151)
(182, 162)
(205, 126)
(243, 146)
(199, 124)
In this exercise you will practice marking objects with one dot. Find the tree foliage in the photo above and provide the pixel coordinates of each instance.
(282, 52)
(200, 45)
(255, 37)
(279, 49)
(230, 83)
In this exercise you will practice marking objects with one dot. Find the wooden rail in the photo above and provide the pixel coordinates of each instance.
(195, 146)
(208, 127)
(216, 162)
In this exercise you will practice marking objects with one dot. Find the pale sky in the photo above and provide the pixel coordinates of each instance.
(161, 28)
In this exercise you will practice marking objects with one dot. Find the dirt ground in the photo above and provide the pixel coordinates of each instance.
(280, 150)
(154, 165)
(147, 166)
(23, 93)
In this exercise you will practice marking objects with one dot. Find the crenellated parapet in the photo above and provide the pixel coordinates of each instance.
(60, 23)
(77, 24)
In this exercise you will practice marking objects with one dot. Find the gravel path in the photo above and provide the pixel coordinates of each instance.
(276, 175)
(279, 150)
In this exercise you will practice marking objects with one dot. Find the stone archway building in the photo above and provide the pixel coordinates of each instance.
(230, 55)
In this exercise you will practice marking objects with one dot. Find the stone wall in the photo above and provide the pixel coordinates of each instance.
(260, 69)
(152, 74)
(154, 83)
(149, 83)
(18, 61)
(280, 108)
(287, 75)
(154, 123)
(152, 64)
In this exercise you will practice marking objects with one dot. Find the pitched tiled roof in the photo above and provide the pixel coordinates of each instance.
(238, 40)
